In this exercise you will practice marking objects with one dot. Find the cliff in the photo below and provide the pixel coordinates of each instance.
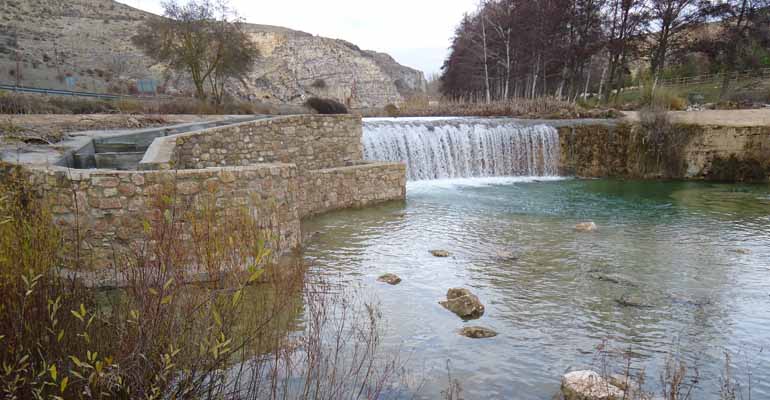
(86, 45)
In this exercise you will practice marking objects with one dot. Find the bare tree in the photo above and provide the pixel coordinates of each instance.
(670, 20)
(743, 29)
(203, 39)
(625, 21)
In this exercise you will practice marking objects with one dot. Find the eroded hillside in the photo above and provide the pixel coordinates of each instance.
(86, 45)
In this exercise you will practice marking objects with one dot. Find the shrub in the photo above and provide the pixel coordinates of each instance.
(130, 106)
(326, 106)
(542, 107)
(18, 104)
(391, 110)
(663, 141)
(319, 84)
(663, 98)
(83, 106)
(13, 103)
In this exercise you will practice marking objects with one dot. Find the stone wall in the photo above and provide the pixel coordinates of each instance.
(679, 151)
(309, 141)
(109, 207)
(281, 169)
(355, 186)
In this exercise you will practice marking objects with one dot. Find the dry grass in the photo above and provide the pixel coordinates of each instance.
(12, 103)
(541, 107)
(677, 379)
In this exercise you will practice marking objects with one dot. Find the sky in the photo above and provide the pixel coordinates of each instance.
(416, 33)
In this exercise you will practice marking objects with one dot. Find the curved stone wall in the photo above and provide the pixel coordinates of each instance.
(282, 169)
(107, 209)
(309, 141)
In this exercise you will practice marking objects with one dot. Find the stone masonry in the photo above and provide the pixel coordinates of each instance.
(689, 151)
(310, 141)
(282, 169)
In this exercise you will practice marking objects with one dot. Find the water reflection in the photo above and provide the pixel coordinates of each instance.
(662, 272)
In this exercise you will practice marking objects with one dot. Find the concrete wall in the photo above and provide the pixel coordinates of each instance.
(682, 151)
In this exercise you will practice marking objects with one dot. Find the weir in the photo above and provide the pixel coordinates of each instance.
(464, 148)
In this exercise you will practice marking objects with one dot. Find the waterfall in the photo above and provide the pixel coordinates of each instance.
(463, 148)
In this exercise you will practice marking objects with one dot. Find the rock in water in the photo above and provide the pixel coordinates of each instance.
(477, 332)
(390, 279)
(506, 255)
(586, 227)
(632, 300)
(440, 253)
(463, 303)
(588, 385)
(741, 251)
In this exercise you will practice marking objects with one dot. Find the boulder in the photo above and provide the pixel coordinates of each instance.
(440, 253)
(742, 251)
(463, 303)
(506, 255)
(634, 300)
(588, 385)
(390, 279)
(477, 332)
(586, 227)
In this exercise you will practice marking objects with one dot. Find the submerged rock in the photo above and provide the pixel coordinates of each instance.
(632, 300)
(477, 332)
(440, 253)
(586, 227)
(463, 303)
(506, 255)
(311, 236)
(390, 279)
(741, 251)
(588, 385)
(613, 279)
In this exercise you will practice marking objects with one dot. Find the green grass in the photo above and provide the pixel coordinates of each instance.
(756, 89)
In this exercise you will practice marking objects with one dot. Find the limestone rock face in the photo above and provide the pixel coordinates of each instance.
(91, 41)
(588, 385)
(463, 303)
(296, 66)
(408, 81)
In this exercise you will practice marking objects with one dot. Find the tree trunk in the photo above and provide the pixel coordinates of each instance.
(534, 76)
(486, 66)
(601, 81)
(588, 79)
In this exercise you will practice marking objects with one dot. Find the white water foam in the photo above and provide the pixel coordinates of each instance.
(452, 183)
(464, 148)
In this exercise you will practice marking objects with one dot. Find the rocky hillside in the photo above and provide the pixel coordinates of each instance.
(86, 45)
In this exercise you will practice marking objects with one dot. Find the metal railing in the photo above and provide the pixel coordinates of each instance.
(62, 92)
(716, 78)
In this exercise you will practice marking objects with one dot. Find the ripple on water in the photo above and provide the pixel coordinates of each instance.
(670, 246)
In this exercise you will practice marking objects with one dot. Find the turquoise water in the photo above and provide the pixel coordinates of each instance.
(694, 258)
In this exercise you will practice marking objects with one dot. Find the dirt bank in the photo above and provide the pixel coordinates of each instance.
(727, 118)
